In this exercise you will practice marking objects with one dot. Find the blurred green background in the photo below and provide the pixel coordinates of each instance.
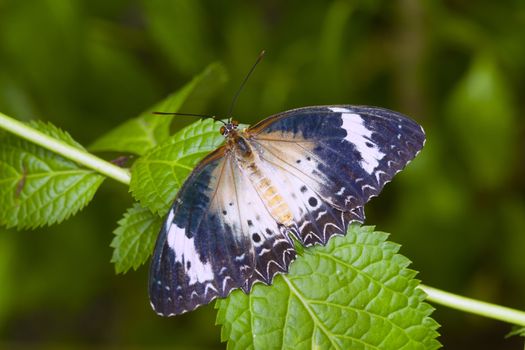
(457, 67)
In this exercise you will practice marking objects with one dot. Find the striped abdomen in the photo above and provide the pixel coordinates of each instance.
(275, 203)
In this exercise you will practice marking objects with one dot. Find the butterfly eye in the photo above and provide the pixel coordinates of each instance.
(235, 123)
(223, 130)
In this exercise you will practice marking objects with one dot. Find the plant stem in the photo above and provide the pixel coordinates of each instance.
(474, 306)
(122, 175)
(75, 154)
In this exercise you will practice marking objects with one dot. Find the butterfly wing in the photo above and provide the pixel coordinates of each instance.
(274, 249)
(216, 235)
(325, 161)
(198, 255)
(332, 159)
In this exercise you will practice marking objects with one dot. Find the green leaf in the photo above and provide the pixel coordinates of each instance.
(516, 331)
(8, 292)
(483, 119)
(157, 176)
(354, 293)
(134, 238)
(185, 21)
(39, 187)
(140, 134)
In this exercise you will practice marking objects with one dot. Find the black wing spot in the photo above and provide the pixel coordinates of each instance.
(308, 158)
(268, 231)
(312, 201)
(224, 212)
(231, 204)
(250, 223)
(298, 161)
(369, 144)
(256, 238)
(188, 265)
(303, 189)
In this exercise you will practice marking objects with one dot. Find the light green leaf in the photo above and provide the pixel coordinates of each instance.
(354, 293)
(39, 187)
(134, 238)
(157, 176)
(140, 134)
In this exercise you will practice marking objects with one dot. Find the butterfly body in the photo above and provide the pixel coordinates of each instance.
(303, 174)
(248, 160)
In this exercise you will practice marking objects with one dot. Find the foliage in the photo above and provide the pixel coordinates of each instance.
(480, 96)
(355, 292)
(139, 134)
(158, 175)
(39, 187)
(456, 67)
(134, 238)
(517, 331)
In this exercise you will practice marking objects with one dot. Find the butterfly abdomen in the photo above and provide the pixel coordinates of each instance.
(275, 203)
(248, 160)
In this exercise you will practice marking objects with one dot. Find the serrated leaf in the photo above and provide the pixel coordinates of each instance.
(39, 187)
(157, 176)
(140, 134)
(134, 238)
(354, 293)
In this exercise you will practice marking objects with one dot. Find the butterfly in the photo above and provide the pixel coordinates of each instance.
(303, 175)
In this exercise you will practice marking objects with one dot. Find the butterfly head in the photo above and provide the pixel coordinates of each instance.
(229, 128)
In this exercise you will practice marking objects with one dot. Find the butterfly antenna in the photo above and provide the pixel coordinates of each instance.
(191, 115)
(234, 101)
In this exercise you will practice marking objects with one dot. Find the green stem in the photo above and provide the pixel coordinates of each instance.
(122, 175)
(474, 306)
(78, 155)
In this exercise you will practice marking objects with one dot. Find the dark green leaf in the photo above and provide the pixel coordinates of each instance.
(177, 27)
(39, 187)
(140, 134)
(8, 290)
(354, 293)
(134, 238)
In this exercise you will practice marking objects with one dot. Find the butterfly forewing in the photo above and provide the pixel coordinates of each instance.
(325, 163)
(346, 153)
(218, 236)
(200, 253)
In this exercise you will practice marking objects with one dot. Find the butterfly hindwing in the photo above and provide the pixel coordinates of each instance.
(273, 247)
(316, 220)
